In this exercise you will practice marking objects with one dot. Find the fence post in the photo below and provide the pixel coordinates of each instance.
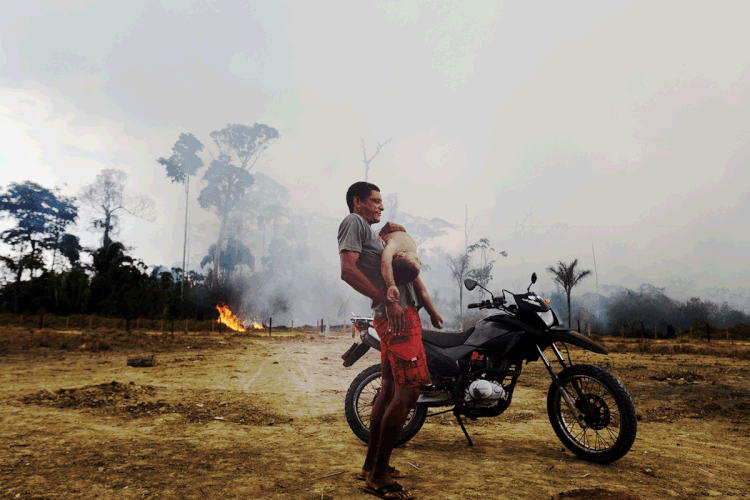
(270, 326)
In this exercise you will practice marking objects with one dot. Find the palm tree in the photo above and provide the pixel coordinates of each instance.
(567, 276)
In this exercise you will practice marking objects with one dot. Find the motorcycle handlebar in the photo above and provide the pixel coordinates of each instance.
(486, 303)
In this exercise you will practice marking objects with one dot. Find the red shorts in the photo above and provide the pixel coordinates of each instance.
(402, 357)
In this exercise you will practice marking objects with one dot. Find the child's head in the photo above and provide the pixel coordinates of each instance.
(390, 228)
(406, 267)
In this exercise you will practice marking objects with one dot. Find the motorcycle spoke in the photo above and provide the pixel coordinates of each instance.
(597, 403)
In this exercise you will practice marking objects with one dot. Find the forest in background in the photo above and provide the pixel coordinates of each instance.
(266, 261)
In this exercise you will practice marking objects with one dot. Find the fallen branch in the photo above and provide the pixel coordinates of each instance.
(329, 475)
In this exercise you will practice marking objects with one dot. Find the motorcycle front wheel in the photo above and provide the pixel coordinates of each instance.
(609, 415)
(360, 399)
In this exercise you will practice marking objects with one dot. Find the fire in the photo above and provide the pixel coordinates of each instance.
(256, 325)
(227, 317)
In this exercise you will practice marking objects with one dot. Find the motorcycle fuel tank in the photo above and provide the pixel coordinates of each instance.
(494, 333)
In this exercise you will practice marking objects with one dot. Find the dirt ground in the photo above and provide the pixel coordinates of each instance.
(257, 417)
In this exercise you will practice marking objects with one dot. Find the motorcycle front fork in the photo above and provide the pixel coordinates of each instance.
(566, 396)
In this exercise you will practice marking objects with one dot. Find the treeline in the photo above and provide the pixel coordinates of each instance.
(649, 309)
(114, 286)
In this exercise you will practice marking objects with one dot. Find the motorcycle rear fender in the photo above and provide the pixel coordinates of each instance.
(575, 338)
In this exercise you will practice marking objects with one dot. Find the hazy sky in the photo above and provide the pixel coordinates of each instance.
(626, 121)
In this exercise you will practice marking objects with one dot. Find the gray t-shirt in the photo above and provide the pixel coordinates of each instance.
(356, 235)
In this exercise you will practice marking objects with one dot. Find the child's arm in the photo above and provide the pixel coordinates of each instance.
(424, 298)
(386, 269)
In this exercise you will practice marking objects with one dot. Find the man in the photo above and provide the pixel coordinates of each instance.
(403, 362)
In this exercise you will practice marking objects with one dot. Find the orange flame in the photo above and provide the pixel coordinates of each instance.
(256, 325)
(227, 317)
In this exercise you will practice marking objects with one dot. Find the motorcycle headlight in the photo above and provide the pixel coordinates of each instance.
(547, 317)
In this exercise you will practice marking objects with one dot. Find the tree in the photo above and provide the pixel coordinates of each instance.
(114, 277)
(106, 197)
(264, 205)
(41, 216)
(228, 176)
(391, 206)
(70, 248)
(235, 254)
(483, 273)
(460, 265)
(183, 163)
(567, 276)
(364, 154)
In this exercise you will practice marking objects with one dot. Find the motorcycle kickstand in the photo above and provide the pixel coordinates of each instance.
(458, 417)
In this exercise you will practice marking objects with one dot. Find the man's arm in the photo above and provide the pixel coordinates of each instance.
(424, 298)
(355, 278)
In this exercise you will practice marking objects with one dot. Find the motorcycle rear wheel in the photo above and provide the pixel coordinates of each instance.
(611, 423)
(359, 401)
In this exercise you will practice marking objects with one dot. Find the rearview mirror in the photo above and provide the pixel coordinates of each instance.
(470, 284)
(533, 278)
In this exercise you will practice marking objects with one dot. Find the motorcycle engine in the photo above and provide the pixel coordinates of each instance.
(486, 391)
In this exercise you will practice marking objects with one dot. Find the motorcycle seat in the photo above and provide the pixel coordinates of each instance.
(446, 339)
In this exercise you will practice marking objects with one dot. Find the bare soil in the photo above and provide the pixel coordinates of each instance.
(262, 417)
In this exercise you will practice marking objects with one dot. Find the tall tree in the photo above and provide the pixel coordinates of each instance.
(184, 163)
(235, 254)
(228, 176)
(367, 161)
(41, 215)
(106, 197)
(263, 205)
(460, 265)
(391, 207)
(482, 274)
(568, 277)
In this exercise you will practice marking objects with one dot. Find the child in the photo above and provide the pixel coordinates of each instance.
(399, 262)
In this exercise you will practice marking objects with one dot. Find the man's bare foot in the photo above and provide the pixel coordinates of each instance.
(393, 472)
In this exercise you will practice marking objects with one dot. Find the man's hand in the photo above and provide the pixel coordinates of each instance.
(395, 315)
(392, 295)
(436, 320)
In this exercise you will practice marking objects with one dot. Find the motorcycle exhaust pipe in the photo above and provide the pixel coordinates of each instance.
(356, 351)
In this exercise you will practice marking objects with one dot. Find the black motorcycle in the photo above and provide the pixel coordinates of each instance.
(475, 372)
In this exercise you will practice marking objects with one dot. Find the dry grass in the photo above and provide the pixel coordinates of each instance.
(676, 346)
